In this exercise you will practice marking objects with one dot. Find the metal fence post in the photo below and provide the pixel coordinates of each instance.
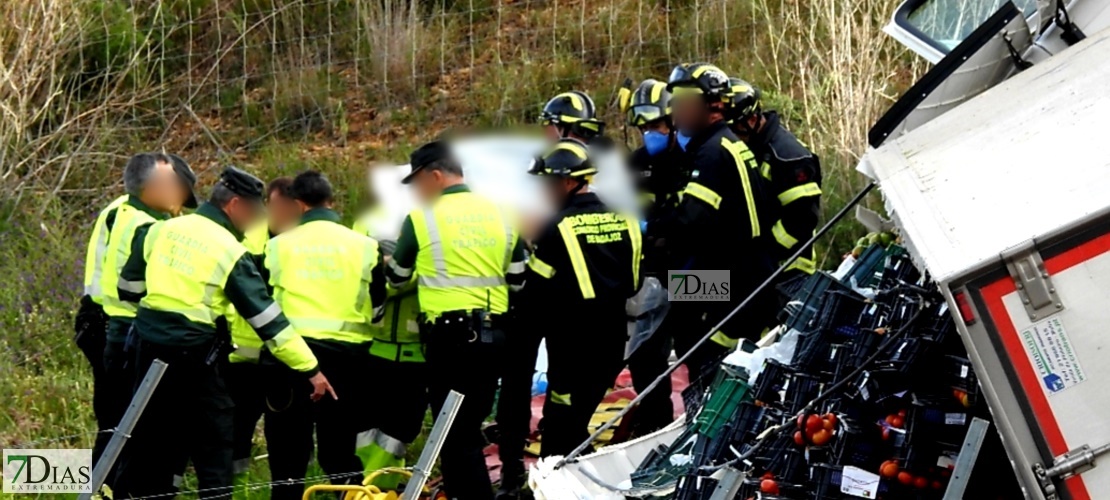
(433, 446)
(965, 462)
(126, 424)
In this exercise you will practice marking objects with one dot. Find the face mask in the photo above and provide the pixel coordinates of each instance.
(655, 142)
(683, 139)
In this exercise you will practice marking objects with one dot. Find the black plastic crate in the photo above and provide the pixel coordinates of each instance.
(898, 270)
(877, 386)
(840, 313)
(908, 353)
(826, 480)
(864, 346)
(801, 389)
(695, 488)
(805, 304)
(857, 447)
(770, 383)
(868, 269)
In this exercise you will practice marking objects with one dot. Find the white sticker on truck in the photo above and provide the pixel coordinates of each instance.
(1053, 357)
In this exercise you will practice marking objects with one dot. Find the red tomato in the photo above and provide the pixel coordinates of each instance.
(886, 434)
(890, 420)
(769, 487)
(905, 478)
(814, 423)
(801, 421)
(768, 475)
(902, 413)
(946, 473)
(920, 482)
(897, 422)
(830, 418)
(821, 437)
(889, 469)
(937, 485)
(799, 438)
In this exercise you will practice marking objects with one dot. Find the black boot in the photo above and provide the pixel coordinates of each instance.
(512, 480)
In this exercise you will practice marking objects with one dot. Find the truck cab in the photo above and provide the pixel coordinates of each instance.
(995, 168)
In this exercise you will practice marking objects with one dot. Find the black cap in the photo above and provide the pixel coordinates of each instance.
(188, 178)
(425, 155)
(243, 184)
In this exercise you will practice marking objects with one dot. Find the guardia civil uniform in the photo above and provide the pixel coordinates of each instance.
(185, 274)
(465, 254)
(395, 355)
(328, 279)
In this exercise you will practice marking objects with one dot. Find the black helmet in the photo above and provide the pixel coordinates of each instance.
(649, 102)
(566, 158)
(745, 100)
(574, 110)
(702, 78)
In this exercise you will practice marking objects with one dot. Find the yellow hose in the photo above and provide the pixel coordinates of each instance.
(366, 491)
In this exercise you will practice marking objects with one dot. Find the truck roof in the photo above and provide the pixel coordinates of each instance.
(1019, 160)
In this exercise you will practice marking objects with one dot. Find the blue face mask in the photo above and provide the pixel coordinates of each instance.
(655, 142)
(683, 140)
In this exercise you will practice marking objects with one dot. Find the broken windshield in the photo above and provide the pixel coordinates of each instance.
(946, 23)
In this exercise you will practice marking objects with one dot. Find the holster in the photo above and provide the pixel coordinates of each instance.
(459, 328)
(222, 346)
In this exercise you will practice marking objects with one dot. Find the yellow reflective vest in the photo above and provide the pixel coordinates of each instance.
(97, 249)
(248, 347)
(397, 334)
(129, 218)
(465, 244)
(321, 273)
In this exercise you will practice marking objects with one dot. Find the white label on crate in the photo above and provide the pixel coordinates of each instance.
(963, 371)
(943, 309)
(955, 418)
(1052, 355)
(859, 483)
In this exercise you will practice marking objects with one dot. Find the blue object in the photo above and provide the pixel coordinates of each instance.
(539, 383)
(643, 226)
(655, 142)
(683, 139)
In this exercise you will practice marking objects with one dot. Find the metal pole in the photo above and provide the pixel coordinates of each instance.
(728, 486)
(965, 462)
(766, 283)
(126, 424)
(433, 445)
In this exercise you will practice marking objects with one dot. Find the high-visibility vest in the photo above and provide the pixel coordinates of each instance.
(465, 247)
(248, 347)
(397, 334)
(188, 262)
(97, 249)
(128, 219)
(321, 273)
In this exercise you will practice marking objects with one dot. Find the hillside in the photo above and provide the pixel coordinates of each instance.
(281, 85)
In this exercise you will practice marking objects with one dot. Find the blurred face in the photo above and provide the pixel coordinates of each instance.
(244, 213)
(282, 213)
(428, 185)
(655, 126)
(558, 189)
(552, 132)
(164, 191)
(691, 114)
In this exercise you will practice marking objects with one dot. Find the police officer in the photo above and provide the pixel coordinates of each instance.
(466, 255)
(328, 279)
(396, 355)
(720, 221)
(663, 174)
(184, 274)
(584, 266)
(792, 170)
(246, 378)
(571, 114)
(157, 187)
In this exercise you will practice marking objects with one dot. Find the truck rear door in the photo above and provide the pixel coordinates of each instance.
(1037, 322)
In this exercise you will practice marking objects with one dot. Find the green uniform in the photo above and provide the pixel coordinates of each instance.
(248, 346)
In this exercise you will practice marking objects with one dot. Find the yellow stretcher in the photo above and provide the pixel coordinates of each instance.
(365, 491)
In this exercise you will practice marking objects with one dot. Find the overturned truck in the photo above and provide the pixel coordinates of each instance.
(982, 324)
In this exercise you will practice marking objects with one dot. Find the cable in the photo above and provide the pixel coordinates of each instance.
(256, 486)
(766, 283)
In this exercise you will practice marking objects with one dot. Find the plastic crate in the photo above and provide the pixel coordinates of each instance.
(908, 353)
(856, 447)
(805, 304)
(826, 479)
(868, 268)
(877, 386)
(801, 389)
(770, 383)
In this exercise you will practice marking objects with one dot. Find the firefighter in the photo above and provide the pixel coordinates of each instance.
(719, 224)
(328, 279)
(157, 187)
(571, 114)
(395, 355)
(586, 260)
(663, 174)
(466, 254)
(246, 378)
(184, 274)
(793, 171)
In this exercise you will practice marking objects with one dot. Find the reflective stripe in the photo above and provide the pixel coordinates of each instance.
(382, 440)
(724, 340)
(704, 194)
(804, 191)
(265, 317)
(540, 267)
(516, 268)
(329, 325)
(765, 170)
(131, 286)
(577, 260)
(281, 338)
(435, 242)
(112, 302)
(742, 155)
(178, 481)
(804, 265)
(784, 238)
(460, 281)
(370, 259)
(560, 399)
(637, 251)
(241, 466)
(247, 352)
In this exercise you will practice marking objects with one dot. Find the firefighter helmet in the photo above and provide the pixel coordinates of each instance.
(701, 78)
(745, 101)
(649, 102)
(567, 158)
(575, 111)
